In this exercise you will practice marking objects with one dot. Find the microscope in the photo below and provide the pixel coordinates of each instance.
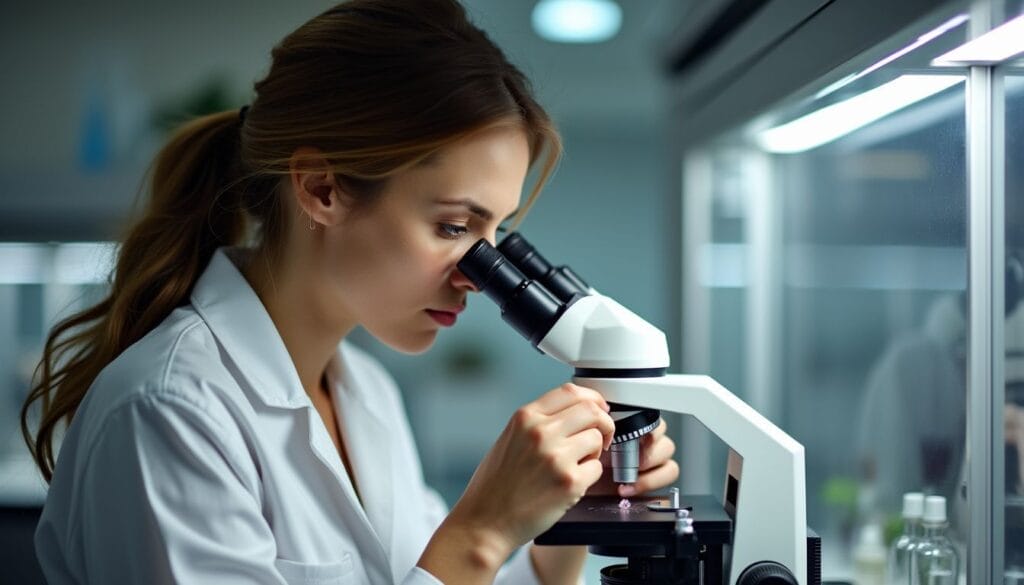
(755, 535)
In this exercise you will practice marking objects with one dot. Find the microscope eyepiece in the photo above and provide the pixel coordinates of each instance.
(560, 280)
(524, 255)
(525, 304)
(490, 271)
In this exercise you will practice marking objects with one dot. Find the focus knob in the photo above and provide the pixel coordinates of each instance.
(632, 423)
(766, 573)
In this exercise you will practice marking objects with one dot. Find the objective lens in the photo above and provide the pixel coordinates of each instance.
(561, 280)
(525, 304)
(630, 425)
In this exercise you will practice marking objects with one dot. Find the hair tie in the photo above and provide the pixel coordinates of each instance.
(242, 112)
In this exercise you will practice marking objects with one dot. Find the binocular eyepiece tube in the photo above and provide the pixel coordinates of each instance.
(525, 304)
(560, 280)
(531, 293)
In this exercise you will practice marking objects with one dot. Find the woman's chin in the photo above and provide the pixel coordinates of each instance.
(411, 344)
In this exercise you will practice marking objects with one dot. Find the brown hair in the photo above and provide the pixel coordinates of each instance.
(376, 86)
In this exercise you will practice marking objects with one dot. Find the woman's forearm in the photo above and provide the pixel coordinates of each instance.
(558, 565)
(463, 554)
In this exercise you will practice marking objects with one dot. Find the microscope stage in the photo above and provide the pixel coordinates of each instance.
(598, 520)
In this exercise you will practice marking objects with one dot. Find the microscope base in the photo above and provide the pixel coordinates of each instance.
(648, 539)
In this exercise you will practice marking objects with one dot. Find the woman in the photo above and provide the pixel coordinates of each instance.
(221, 429)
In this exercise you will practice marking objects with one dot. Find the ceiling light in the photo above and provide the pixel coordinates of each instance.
(995, 46)
(831, 122)
(927, 37)
(577, 21)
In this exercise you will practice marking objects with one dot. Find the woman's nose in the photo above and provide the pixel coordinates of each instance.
(461, 281)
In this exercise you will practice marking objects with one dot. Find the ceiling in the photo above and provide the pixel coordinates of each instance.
(619, 82)
(134, 54)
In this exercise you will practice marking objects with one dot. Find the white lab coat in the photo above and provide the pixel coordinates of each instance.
(197, 457)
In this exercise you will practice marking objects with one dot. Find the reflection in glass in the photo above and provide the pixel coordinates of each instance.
(874, 323)
(843, 267)
(1013, 415)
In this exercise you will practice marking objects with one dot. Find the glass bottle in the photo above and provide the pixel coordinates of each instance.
(934, 560)
(869, 556)
(898, 562)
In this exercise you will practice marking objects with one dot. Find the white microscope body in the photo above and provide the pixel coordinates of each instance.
(764, 488)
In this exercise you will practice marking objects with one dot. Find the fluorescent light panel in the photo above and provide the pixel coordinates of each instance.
(995, 46)
(836, 120)
(577, 21)
(927, 37)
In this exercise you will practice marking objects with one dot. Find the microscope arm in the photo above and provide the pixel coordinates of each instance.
(764, 487)
(625, 358)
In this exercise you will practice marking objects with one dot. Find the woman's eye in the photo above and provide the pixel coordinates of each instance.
(451, 230)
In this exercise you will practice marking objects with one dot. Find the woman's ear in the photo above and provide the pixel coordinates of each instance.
(317, 194)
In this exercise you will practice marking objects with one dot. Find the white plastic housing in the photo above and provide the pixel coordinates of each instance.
(766, 465)
(597, 332)
(770, 520)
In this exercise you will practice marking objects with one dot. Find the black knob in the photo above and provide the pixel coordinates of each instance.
(634, 425)
(766, 573)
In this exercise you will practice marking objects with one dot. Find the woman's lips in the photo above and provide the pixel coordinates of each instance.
(445, 318)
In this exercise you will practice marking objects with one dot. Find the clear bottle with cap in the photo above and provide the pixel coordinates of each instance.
(898, 561)
(869, 556)
(934, 560)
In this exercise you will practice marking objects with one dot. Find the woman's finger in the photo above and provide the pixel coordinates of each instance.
(657, 433)
(664, 475)
(565, 396)
(656, 454)
(590, 472)
(586, 444)
(584, 415)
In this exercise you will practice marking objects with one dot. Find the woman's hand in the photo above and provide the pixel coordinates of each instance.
(657, 468)
(540, 466)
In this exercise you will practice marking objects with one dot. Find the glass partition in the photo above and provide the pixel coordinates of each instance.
(1013, 411)
(835, 275)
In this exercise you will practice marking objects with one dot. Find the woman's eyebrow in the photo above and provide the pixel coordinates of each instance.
(474, 207)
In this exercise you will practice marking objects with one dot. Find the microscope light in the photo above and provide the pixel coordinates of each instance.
(577, 21)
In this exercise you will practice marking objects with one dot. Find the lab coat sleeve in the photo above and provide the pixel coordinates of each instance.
(167, 498)
(517, 571)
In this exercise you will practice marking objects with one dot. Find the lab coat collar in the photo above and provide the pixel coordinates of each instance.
(369, 442)
(237, 317)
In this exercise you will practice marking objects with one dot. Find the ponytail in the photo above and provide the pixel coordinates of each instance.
(194, 207)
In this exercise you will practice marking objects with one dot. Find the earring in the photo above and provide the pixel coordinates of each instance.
(312, 226)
